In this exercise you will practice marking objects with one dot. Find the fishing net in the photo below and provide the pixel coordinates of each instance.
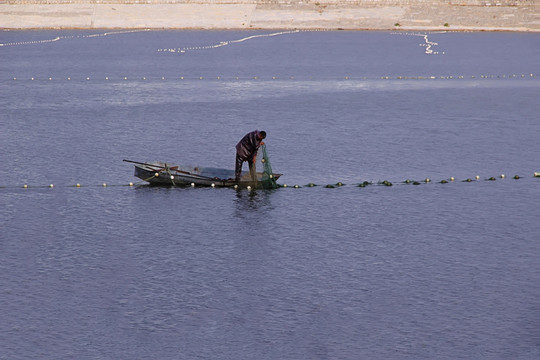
(267, 180)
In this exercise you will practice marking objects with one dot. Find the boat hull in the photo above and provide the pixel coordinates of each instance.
(161, 174)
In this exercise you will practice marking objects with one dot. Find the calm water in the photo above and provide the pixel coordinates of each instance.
(434, 271)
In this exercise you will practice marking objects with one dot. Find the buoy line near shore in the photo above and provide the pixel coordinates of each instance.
(73, 37)
(181, 50)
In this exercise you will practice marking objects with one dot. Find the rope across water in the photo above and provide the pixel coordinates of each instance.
(363, 184)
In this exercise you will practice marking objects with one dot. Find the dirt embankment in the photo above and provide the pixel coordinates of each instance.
(477, 15)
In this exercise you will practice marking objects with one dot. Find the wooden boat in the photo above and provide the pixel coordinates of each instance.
(163, 174)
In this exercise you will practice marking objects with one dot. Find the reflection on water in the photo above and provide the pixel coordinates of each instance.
(253, 201)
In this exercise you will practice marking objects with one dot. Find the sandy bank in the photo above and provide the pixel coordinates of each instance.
(271, 14)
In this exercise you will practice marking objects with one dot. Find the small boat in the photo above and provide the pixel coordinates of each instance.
(164, 174)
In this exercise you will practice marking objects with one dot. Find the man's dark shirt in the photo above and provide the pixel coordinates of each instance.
(248, 146)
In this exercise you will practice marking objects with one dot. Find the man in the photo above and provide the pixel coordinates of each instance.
(246, 150)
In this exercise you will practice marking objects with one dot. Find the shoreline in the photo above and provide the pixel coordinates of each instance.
(356, 15)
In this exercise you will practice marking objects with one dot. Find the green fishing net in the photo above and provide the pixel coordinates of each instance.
(267, 180)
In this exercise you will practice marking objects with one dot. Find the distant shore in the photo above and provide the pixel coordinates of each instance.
(412, 15)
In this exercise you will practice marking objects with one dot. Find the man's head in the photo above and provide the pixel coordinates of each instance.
(262, 135)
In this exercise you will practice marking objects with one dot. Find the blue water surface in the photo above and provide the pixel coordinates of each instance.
(427, 271)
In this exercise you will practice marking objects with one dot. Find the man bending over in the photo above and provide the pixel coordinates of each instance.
(246, 150)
